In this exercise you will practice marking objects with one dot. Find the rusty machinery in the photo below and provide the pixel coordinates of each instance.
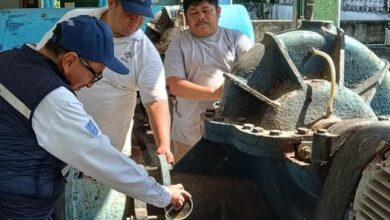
(304, 117)
(302, 131)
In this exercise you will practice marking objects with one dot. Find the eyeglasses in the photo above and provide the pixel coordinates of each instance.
(96, 76)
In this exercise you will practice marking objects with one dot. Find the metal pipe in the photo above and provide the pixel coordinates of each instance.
(332, 69)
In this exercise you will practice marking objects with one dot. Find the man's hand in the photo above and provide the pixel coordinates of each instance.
(167, 153)
(188, 90)
(218, 92)
(179, 195)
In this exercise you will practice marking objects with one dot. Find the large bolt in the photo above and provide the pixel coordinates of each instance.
(257, 129)
(303, 130)
(248, 126)
(275, 132)
(304, 150)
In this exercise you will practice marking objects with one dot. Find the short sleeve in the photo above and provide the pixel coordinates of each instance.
(174, 60)
(243, 44)
(151, 75)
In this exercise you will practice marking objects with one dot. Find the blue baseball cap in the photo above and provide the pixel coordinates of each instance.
(141, 7)
(91, 39)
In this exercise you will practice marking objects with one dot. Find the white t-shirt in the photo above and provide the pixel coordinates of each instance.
(201, 60)
(112, 100)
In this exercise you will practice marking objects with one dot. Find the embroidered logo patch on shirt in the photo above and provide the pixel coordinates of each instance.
(126, 56)
(91, 128)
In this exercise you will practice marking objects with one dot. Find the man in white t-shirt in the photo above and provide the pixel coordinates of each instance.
(194, 64)
(111, 101)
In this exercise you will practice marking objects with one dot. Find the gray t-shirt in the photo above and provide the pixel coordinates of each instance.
(201, 60)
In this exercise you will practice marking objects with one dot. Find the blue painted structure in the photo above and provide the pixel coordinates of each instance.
(18, 26)
(48, 4)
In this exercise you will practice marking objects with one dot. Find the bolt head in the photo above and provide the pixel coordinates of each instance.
(257, 129)
(275, 132)
(304, 150)
(303, 130)
(248, 126)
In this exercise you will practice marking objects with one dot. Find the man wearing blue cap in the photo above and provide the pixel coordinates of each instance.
(43, 125)
(112, 100)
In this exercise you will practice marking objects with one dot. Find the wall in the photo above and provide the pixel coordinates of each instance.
(274, 26)
(368, 32)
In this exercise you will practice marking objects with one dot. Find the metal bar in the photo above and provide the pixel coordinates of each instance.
(236, 81)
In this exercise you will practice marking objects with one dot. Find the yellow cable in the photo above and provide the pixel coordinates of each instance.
(332, 69)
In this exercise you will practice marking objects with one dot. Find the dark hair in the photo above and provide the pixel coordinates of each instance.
(52, 43)
(188, 3)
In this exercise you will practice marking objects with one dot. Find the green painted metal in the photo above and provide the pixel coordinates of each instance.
(327, 10)
(86, 198)
(299, 9)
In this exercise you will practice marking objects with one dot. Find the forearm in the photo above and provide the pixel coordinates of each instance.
(160, 122)
(188, 90)
(64, 130)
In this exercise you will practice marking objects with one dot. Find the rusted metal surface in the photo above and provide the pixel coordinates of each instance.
(272, 74)
(168, 23)
(88, 199)
(363, 69)
(303, 108)
(238, 82)
(343, 130)
(261, 181)
(381, 100)
(274, 107)
(252, 140)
